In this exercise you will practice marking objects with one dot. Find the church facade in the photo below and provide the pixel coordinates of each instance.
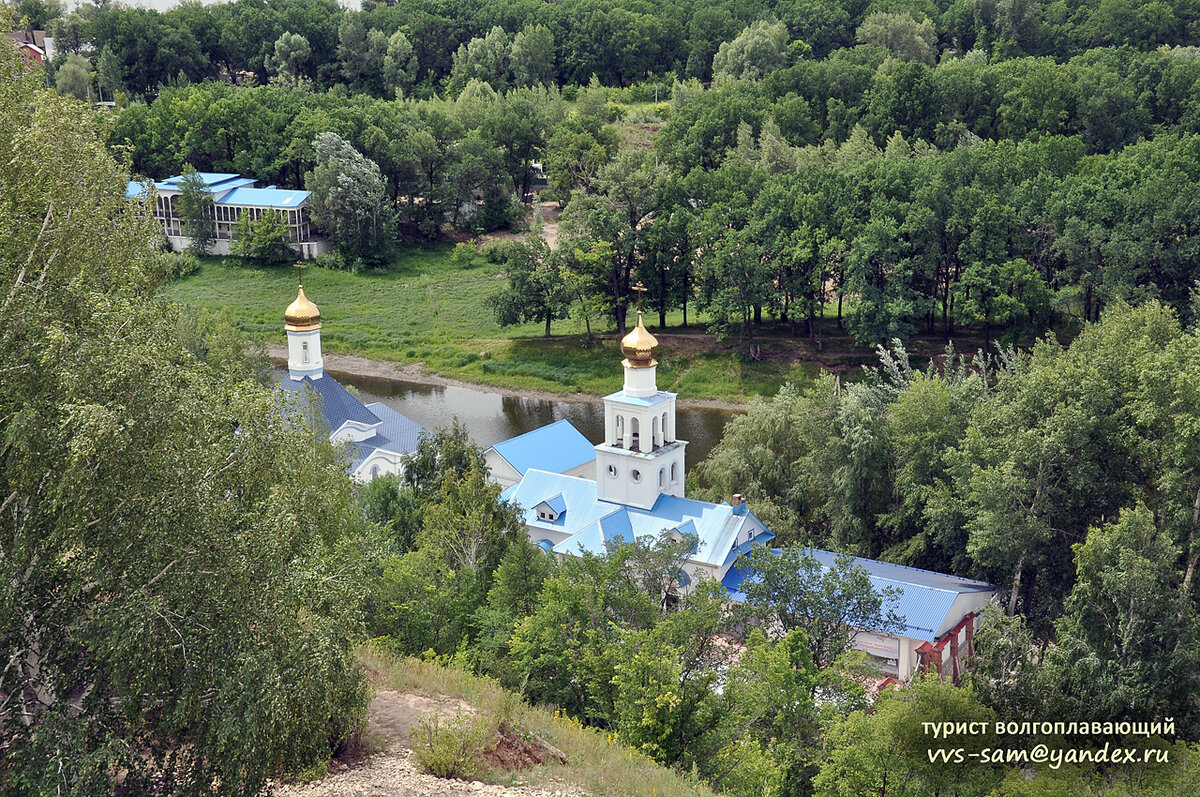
(637, 489)
(374, 437)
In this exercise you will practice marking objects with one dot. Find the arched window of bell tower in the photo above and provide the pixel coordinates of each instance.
(655, 432)
(633, 433)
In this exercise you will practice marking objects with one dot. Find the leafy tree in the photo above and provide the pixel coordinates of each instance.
(196, 211)
(264, 239)
(759, 49)
(360, 52)
(513, 596)
(484, 58)
(665, 704)
(888, 750)
(74, 77)
(536, 291)
(564, 650)
(629, 192)
(399, 65)
(1011, 295)
(173, 555)
(778, 455)
(36, 14)
(385, 502)
(578, 148)
(901, 35)
(518, 125)
(290, 55)
(1127, 642)
(350, 200)
(469, 525)
(447, 450)
(108, 74)
(792, 588)
(424, 604)
(532, 56)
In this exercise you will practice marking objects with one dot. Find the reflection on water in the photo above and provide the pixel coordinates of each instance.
(490, 417)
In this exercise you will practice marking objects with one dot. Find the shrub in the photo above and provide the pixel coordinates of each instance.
(338, 261)
(173, 265)
(448, 748)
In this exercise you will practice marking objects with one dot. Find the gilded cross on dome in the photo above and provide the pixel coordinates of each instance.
(640, 289)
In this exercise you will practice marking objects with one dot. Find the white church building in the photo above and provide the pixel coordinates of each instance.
(633, 486)
(375, 437)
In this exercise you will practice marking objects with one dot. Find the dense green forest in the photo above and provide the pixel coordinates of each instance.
(906, 167)
(899, 168)
(1067, 475)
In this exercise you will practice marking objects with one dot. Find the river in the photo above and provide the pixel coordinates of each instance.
(491, 417)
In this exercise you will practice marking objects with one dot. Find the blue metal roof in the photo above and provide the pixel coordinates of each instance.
(557, 447)
(265, 197)
(645, 401)
(925, 597)
(594, 524)
(397, 433)
(557, 504)
(211, 179)
(337, 404)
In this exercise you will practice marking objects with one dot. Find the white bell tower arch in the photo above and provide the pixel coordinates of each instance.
(640, 458)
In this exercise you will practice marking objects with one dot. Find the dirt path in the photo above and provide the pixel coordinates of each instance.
(392, 771)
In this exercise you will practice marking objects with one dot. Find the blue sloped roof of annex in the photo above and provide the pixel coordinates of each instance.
(265, 197)
(397, 433)
(211, 179)
(715, 525)
(239, 190)
(337, 403)
(925, 597)
(558, 446)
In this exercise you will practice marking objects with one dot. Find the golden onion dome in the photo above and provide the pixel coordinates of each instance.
(639, 346)
(302, 315)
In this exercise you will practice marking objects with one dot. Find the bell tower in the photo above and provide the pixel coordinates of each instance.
(302, 321)
(640, 458)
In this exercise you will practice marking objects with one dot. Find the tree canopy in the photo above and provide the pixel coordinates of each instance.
(175, 556)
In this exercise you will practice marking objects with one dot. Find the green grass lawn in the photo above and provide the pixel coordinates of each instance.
(429, 309)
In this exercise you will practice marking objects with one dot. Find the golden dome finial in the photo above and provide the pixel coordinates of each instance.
(301, 315)
(639, 346)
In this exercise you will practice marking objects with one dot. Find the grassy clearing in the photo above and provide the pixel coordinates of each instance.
(594, 762)
(428, 308)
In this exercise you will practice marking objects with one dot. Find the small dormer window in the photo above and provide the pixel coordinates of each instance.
(541, 515)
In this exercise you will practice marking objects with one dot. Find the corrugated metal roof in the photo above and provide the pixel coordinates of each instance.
(557, 504)
(265, 197)
(925, 597)
(557, 447)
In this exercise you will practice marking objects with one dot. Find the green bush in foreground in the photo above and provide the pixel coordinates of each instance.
(448, 748)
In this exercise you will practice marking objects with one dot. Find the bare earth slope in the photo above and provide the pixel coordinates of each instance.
(392, 771)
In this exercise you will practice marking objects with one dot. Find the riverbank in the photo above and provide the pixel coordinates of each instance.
(353, 366)
(427, 317)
